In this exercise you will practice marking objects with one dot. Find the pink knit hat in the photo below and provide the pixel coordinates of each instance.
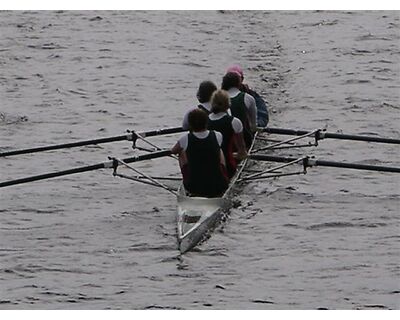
(237, 69)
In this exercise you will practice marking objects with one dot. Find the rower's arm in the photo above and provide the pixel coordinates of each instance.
(176, 149)
(222, 158)
(240, 146)
(252, 111)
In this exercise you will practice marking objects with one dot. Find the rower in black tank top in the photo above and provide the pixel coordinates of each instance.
(224, 126)
(239, 110)
(205, 176)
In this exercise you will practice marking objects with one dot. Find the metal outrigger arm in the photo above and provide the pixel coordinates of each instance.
(288, 143)
(276, 173)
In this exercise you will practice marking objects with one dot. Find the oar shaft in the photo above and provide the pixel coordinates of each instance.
(361, 138)
(97, 166)
(64, 146)
(325, 135)
(311, 162)
(82, 143)
(323, 163)
(52, 175)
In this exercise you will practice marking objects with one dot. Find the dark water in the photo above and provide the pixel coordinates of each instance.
(329, 239)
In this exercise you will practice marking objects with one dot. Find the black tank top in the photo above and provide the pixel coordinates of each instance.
(224, 125)
(239, 110)
(205, 178)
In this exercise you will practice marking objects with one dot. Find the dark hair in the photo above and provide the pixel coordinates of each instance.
(230, 80)
(197, 120)
(220, 101)
(206, 89)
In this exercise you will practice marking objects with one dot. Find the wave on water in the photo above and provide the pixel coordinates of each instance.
(46, 46)
(328, 225)
(6, 118)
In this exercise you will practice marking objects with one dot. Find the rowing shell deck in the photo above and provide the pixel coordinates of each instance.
(198, 216)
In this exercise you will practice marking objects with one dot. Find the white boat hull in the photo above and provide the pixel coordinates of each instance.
(197, 216)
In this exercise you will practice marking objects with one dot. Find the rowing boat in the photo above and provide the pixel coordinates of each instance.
(198, 216)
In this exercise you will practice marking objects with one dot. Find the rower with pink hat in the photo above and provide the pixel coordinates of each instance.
(261, 105)
(236, 68)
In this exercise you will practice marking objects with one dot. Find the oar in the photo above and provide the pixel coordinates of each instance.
(320, 134)
(131, 136)
(103, 165)
(308, 162)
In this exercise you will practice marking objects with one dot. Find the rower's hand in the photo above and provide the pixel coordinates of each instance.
(240, 156)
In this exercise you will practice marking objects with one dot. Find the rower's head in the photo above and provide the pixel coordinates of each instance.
(220, 101)
(236, 68)
(205, 91)
(198, 120)
(231, 80)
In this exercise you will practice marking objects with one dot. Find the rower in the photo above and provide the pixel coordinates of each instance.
(243, 106)
(206, 89)
(201, 159)
(231, 129)
(261, 105)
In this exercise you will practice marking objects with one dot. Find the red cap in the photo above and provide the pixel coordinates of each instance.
(237, 69)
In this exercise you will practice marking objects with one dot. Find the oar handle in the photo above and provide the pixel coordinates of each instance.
(160, 132)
